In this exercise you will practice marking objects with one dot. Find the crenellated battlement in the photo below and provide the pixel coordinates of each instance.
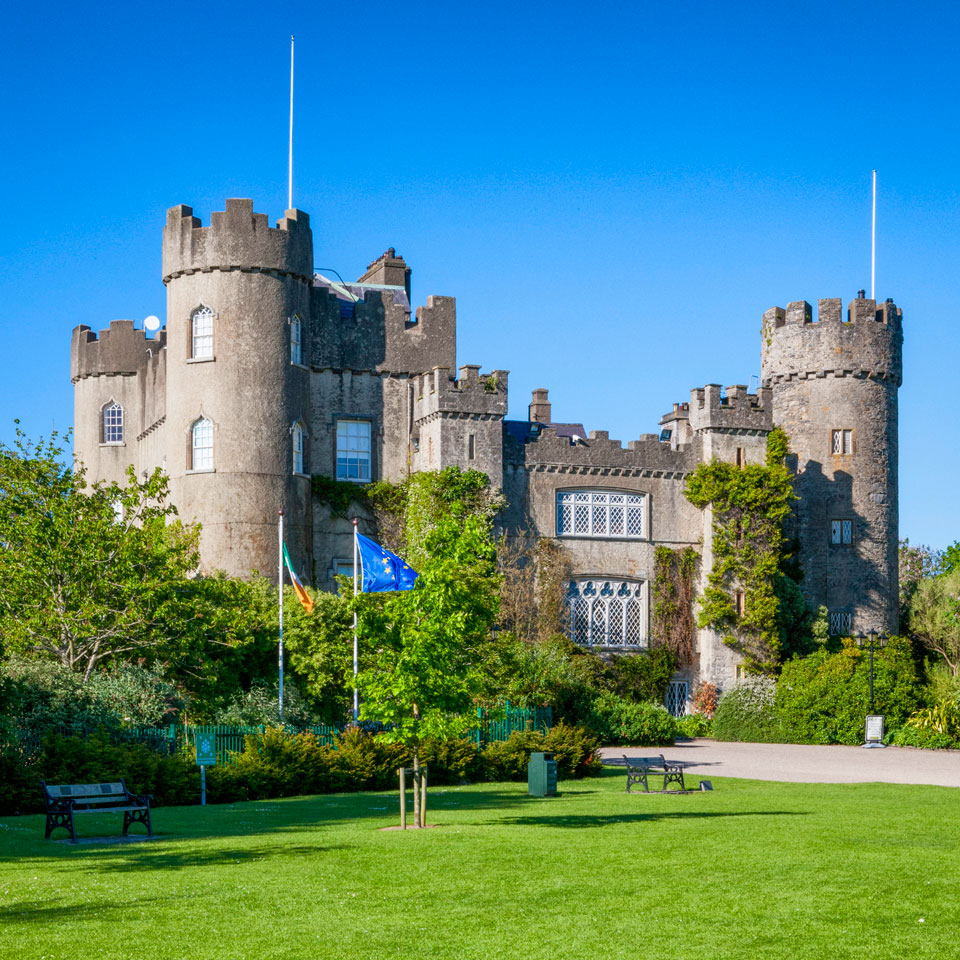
(237, 239)
(738, 411)
(865, 343)
(120, 350)
(472, 395)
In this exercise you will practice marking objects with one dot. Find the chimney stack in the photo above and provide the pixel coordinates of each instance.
(540, 407)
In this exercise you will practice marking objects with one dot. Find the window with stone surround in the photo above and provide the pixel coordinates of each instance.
(601, 513)
(298, 434)
(201, 445)
(841, 532)
(111, 423)
(607, 612)
(354, 450)
(201, 334)
(841, 442)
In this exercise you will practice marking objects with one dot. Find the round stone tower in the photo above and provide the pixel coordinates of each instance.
(834, 385)
(236, 293)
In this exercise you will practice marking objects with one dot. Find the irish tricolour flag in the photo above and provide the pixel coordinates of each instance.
(302, 594)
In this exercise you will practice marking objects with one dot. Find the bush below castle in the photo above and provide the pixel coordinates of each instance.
(276, 764)
(822, 698)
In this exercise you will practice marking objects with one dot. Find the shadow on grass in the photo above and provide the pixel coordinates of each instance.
(42, 911)
(597, 820)
(243, 819)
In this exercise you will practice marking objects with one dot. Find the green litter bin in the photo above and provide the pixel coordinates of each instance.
(542, 775)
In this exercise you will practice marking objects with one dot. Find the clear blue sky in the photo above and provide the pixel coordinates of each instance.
(614, 192)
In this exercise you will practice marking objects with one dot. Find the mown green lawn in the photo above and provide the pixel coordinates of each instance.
(753, 869)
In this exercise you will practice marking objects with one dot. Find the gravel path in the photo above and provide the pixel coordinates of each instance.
(800, 763)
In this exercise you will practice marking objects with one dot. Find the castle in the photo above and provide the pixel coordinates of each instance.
(268, 372)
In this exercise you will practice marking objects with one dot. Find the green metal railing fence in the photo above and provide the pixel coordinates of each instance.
(493, 725)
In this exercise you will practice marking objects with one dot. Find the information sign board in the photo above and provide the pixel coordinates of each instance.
(206, 750)
(873, 730)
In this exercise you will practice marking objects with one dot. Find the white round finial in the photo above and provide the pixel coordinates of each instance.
(152, 323)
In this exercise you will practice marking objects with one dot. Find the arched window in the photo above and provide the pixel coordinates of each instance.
(201, 445)
(111, 422)
(298, 436)
(202, 334)
(296, 339)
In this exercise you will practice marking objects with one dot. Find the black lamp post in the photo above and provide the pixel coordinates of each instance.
(872, 640)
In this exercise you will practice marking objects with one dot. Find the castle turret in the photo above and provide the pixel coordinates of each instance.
(238, 399)
(834, 382)
(460, 421)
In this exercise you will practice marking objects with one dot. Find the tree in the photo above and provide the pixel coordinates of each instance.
(934, 617)
(424, 647)
(916, 564)
(97, 572)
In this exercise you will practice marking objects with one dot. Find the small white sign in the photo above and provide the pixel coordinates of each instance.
(873, 730)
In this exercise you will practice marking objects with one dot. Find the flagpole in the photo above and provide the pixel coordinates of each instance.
(290, 154)
(280, 588)
(873, 243)
(356, 652)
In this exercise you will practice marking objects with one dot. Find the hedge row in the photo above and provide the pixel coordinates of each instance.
(276, 764)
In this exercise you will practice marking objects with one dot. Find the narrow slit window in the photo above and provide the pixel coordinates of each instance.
(297, 448)
(471, 446)
(296, 339)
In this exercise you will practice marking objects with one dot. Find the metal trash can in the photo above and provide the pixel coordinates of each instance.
(542, 775)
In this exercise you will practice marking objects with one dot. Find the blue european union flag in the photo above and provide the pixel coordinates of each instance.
(382, 570)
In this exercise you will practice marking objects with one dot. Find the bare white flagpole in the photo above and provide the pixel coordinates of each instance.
(873, 243)
(280, 588)
(290, 153)
(356, 652)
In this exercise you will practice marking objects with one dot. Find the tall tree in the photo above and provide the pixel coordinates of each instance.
(95, 572)
(425, 646)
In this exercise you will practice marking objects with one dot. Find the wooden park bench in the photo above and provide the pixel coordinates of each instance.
(66, 800)
(640, 768)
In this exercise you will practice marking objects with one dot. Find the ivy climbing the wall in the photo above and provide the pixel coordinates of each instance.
(673, 624)
(748, 599)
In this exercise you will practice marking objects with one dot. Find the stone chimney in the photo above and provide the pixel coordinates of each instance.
(540, 407)
(388, 269)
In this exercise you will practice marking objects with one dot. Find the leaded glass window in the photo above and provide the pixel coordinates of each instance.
(353, 450)
(296, 339)
(607, 613)
(112, 422)
(841, 532)
(841, 623)
(675, 698)
(841, 442)
(202, 445)
(202, 324)
(596, 513)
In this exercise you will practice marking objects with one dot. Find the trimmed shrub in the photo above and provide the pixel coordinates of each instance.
(617, 720)
(694, 725)
(573, 748)
(644, 676)
(746, 713)
(926, 738)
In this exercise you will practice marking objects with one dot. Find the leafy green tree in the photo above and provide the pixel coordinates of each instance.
(425, 646)
(95, 573)
(934, 617)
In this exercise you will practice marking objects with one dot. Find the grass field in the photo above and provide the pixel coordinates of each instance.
(754, 869)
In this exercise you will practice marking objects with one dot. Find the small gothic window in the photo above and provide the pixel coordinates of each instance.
(296, 339)
(111, 424)
(841, 442)
(841, 532)
(202, 334)
(201, 445)
(297, 448)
